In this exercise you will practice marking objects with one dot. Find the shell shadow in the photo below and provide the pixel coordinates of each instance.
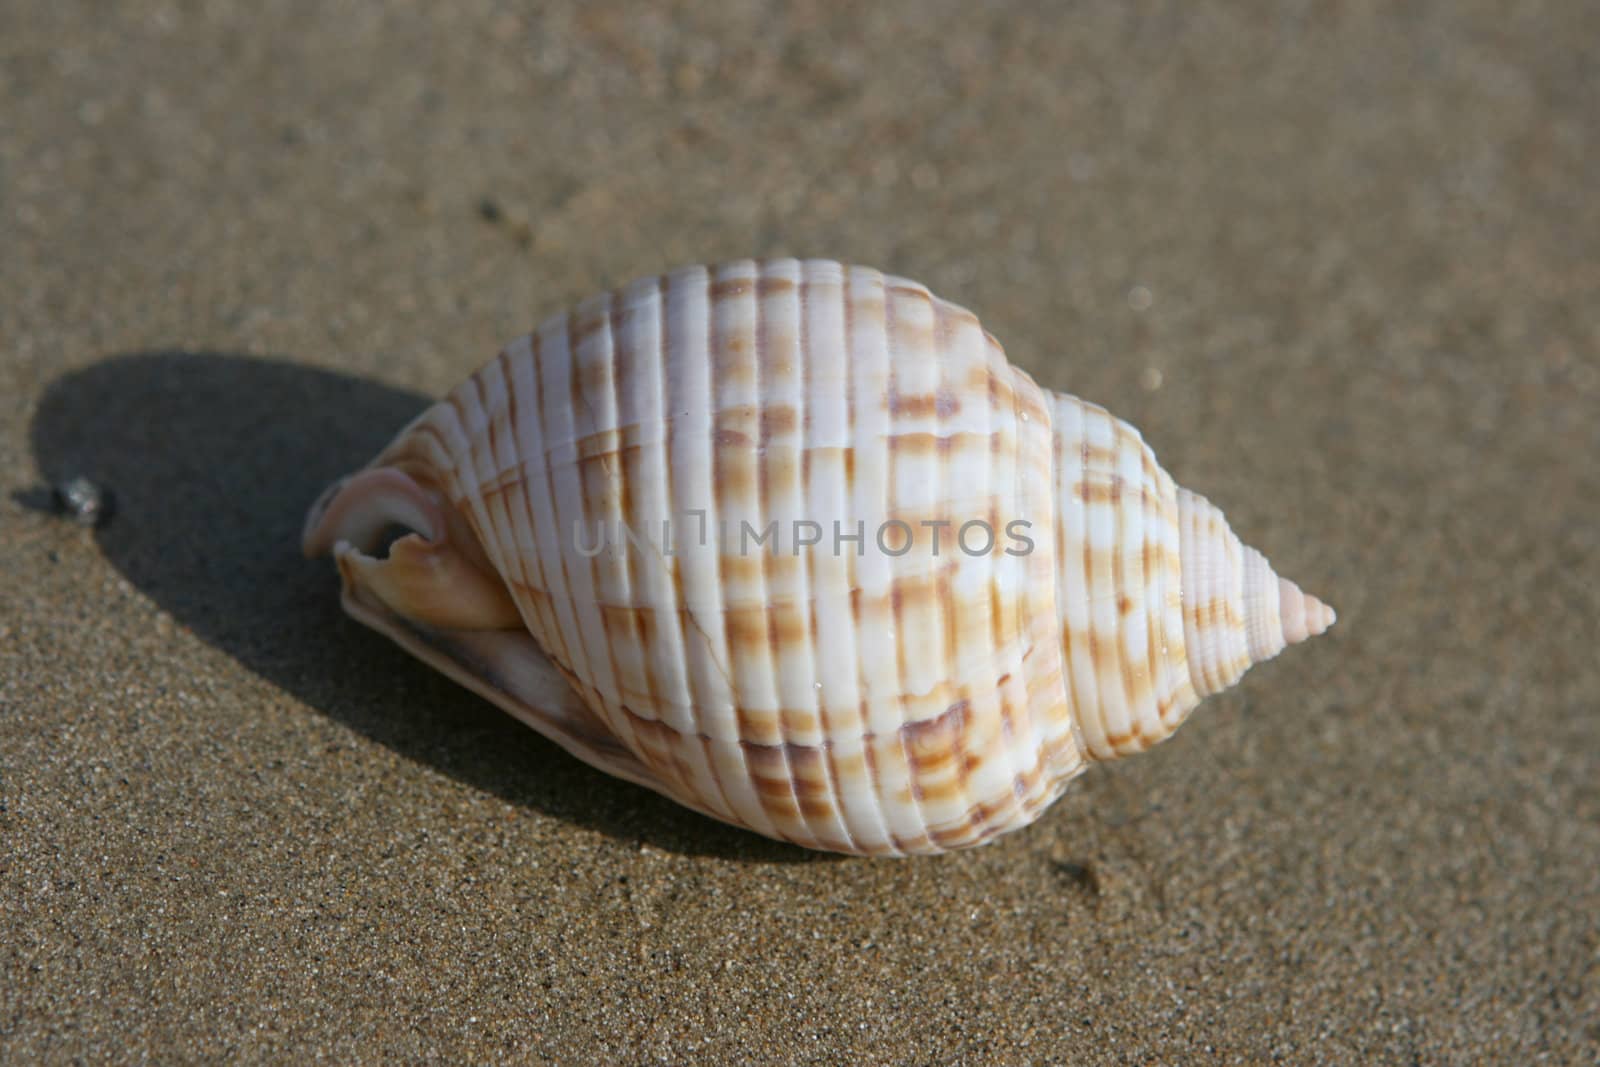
(213, 459)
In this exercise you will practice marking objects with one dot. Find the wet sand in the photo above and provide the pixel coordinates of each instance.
(1338, 265)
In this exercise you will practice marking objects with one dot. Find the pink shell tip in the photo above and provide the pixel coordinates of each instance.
(1303, 615)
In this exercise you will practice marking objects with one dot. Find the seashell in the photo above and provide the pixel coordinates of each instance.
(873, 590)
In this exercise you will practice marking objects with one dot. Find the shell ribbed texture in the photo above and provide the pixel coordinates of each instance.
(865, 696)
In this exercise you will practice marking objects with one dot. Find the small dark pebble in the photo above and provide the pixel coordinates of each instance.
(1082, 875)
(87, 503)
(495, 215)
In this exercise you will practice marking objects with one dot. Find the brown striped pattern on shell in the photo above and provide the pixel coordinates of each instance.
(886, 695)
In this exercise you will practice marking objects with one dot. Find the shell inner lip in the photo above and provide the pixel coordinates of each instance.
(361, 510)
(489, 662)
(509, 669)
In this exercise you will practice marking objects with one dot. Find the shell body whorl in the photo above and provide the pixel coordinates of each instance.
(827, 566)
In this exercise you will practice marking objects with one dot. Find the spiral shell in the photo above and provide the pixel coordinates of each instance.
(810, 555)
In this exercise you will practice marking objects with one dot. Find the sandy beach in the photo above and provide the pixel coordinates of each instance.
(1337, 263)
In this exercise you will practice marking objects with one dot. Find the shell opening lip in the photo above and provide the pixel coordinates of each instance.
(431, 573)
(359, 509)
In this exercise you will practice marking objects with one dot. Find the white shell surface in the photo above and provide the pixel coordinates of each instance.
(890, 687)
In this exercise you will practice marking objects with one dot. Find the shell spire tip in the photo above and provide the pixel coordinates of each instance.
(1303, 615)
